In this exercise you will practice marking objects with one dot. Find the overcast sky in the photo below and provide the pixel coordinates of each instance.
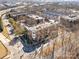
(66, 0)
(34, 0)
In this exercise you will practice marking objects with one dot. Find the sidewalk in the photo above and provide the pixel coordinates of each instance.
(3, 39)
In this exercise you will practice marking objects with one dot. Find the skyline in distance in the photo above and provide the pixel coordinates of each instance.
(12, 1)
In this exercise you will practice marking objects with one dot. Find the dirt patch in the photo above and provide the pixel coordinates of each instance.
(3, 51)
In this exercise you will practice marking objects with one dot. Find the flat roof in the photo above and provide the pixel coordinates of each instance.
(71, 18)
(41, 26)
(35, 16)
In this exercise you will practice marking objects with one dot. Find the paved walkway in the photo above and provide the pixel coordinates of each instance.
(15, 51)
(3, 39)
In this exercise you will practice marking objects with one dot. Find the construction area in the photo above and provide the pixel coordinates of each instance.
(56, 38)
(40, 32)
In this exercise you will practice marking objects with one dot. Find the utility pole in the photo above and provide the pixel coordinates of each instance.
(41, 51)
(53, 54)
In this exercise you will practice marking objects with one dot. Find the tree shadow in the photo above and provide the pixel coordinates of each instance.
(30, 47)
(14, 41)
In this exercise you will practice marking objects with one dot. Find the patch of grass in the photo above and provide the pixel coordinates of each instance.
(18, 30)
(5, 33)
(1, 25)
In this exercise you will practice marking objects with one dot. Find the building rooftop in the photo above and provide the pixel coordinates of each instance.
(35, 17)
(42, 26)
(71, 17)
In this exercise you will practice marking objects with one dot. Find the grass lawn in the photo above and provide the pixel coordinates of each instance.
(0, 25)
(17, 28)
(5, 33)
